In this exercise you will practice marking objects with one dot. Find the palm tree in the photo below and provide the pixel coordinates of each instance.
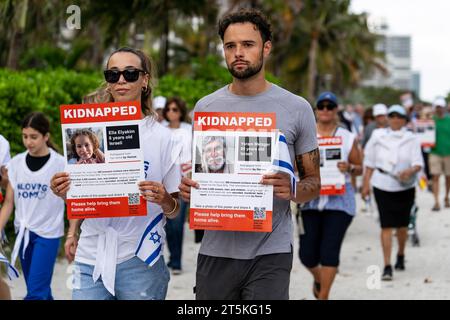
(329, 40)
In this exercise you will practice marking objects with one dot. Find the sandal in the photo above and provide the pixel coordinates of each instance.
(436, 207)
(447, 203)
(316, 289)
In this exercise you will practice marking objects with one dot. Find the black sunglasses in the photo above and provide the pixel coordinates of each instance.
(396, 115)
(130, 75)
(329, 106)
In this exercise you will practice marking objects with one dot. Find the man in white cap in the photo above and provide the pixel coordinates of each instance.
(159, 103)
(380, 114)
(439, 160)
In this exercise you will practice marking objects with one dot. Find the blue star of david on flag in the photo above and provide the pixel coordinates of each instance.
(150, 245)
(155, 237)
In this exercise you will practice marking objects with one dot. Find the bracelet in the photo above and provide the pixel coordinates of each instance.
(72, 235)
(173, 210)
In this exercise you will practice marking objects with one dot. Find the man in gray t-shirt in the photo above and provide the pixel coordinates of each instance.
(257, 265)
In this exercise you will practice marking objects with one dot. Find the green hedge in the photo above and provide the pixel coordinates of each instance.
(24, 92)
(45, 91)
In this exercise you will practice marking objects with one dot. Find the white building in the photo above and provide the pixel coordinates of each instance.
(397, 51)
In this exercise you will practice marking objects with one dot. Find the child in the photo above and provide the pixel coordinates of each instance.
(86, 147)
(39, 213)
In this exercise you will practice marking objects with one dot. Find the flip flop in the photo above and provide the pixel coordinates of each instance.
(447, 203)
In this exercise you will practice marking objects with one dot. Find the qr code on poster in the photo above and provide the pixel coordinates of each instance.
(133, 199)
(259, 213)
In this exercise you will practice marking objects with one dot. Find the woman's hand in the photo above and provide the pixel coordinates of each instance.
(343, 166)
(60, 184)
(405, 175)
(155, 192)
(365, 191)
(70, 247)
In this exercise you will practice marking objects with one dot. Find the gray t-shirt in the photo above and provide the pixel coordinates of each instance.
(295, 118)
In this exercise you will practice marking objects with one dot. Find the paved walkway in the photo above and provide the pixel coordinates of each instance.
(427, 273)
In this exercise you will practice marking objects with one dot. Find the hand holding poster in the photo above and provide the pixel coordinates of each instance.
(104, 159)
(231, 153)
(332, 179)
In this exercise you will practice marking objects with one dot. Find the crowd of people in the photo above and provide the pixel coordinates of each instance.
(379, 143)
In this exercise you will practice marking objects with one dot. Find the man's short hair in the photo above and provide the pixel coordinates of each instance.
(243, 15)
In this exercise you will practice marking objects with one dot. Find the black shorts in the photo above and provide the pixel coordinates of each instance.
(324, 233)
(265, 277)
(394, 207)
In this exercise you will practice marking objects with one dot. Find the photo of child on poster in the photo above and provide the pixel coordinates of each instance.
(85, 146)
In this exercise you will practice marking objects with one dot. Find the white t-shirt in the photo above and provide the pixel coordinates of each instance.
(393, 152)
(36, 207)
(183, 137)
(160, 166)
(4, 151)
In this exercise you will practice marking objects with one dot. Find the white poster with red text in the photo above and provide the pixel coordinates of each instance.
(231, 152)
(102, 147)
(426, 132)
(331, 153)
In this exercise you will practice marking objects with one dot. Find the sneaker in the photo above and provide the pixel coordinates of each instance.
(436, 207)
(387, 273)
(400, 264)
(447, 203)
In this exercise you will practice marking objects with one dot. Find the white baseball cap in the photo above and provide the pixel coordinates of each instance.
(159, 102)
(379, 109)
(439, 102)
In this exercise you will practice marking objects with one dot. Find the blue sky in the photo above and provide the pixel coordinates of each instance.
(426, 21)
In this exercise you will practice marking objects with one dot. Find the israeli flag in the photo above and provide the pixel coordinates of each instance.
(282, 161)
(150, 245)
(12, 272)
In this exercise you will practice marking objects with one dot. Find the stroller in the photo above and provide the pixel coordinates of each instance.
(412, 227)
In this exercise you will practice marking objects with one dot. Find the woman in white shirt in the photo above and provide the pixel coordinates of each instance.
(175, 113)
(392, 159)
(108, 265)
(39, 214)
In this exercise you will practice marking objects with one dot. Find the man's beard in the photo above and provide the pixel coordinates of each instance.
(249, 72)
(216, 164)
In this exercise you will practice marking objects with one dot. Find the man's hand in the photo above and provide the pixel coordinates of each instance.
(185, 188)
(281, 183)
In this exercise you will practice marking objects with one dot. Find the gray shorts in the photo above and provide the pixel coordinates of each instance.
(265, 277)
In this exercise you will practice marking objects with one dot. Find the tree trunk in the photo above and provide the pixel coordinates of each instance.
(18, 25)
(14, 50)
(97, 45)
(312, 66)
(164, 48)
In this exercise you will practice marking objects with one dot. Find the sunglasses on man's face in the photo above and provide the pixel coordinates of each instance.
(130, 75)
(328, 106)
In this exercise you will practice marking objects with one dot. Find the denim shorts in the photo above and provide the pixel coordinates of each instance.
(135, 280)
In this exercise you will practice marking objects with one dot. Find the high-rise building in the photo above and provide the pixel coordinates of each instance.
(399, 75)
